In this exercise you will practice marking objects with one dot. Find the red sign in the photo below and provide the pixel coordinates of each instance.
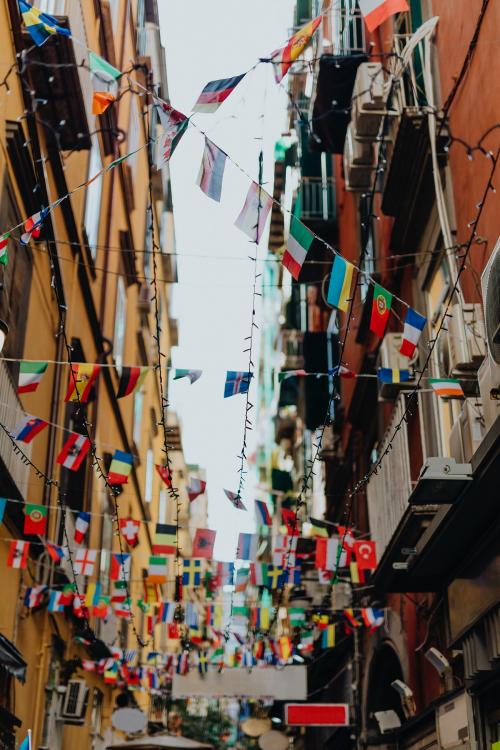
(317, 714)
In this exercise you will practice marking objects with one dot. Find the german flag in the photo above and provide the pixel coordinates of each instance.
(131, 379)
(165, 539)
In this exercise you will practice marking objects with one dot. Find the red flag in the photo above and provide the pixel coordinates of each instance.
(203, 543)
(366, 555)
(130, 530)
(101, 101)
(291, 521)
(165, 474)
(35, 519)
(382, 301)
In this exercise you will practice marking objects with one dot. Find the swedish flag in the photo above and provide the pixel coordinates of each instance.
(40, 25)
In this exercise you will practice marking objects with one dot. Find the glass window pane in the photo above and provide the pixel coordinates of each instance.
(93, 198)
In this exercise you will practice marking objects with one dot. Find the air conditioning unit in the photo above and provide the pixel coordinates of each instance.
(74, 703)
(452, 724)
(358, 175)
(144, 298)
(466, 337)
(489, 374)
(390, 357)
(468, 431)
(369, 96)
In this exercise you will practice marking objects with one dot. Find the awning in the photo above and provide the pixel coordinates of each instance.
(11, 659)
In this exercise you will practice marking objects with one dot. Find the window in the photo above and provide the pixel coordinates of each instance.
(138, 406)
(93, 198)
(114, 6)
(52, 7)
(148, 484)
(162, 507)
(120, 322)
(133, 133)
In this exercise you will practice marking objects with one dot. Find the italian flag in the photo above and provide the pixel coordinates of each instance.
(299, 242)
(4, 239)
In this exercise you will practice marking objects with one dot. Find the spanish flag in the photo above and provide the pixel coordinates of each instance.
(284, 58)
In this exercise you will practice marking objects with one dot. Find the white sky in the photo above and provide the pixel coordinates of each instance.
(206, 41)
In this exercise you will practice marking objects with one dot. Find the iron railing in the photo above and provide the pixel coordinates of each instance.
(317, 198)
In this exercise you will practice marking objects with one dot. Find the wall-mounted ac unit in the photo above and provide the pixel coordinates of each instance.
(369, 97)
(489, 373)
(358, 175)
(389, 356)
(467, 431)
(466, 337)
(74, 703)
(452, 724)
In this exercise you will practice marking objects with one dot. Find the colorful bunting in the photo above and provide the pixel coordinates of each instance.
(164, 473)
(326, 554)
(165, 539)
(339, 288)
(211, 171)
(373, 618)
(375, 12)
(236, 382)
(191, 575)
(196, 487)
(39, 25)
(192, 375)
(4, 242)
(447, 387)
(131, 379)
(253, 216)
(35, 519)
(382, 301)
(82, 524)
(284, 58)
(299, 242)
(33, 226)
(81, 380)
(157, 569)
(28, 428)
(235, 499)
(130, 528)
(247, 546)
(388, 375)
(18, 554)
(73, 452)
(366, 554)
(104, 75)
(174, 124)
(101, 100)
(84, 561)
(216, 92)
(203, 543)
(262, 513)
(30, 376)
(120, 566)
(54, 551)
(3, 504)
(121, 467)
(328, 637)
(413, 326)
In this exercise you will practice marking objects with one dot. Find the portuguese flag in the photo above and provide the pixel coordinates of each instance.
(131, 379)
(35, 519)
(382, 301)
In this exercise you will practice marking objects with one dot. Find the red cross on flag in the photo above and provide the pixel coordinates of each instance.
(130, 530)
(85, 560)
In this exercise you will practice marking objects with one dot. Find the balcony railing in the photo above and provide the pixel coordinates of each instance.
(388, 490)
(291, 346)
(347, 33)
(11, 412)
(317, 198)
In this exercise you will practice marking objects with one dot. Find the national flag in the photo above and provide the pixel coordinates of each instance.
(285, 647)
(192, 375)
(88, 665)
(211, 171)
(203, 543)
(291, 521)
(101, 100)
(131, 379)
(447, 387)
(104, 75)
(261, 618)
(35, 519)
(375, 12)
(325, 577)
(216, 92)
(413, 327)
(276, 576)
(73, 451)
(372, 617)
(120, 566)
(165, 539)
(321, 621)
(111, 673)
(344, 372)
(129, 528)
(28, 428)
(39, 25)
(241, 583)
(118, 591)
(120, 468)
(67, 594)
(56, 602)
(235, 499)
(328, 636)
(236, 382)
(30, 375)
(196, 487)
(164, 473)
(247, 546)
(3, 504)
(262, 513)
(174, 124)
(391, 375)
(191, 573)
(365, 552)
(285, 374)
(82, 524)
(339, 287)
(318, 527)
(296, 615)
(253, 216)
(81, 380)
(285, 550)
(166, 611)
(34, 596)
(357, 575)
(284, 58)
(123, 608)
(306, 644)
(102, 608)
(351, 618)
(258, 574)
(4, 241)
(298, 244)
(84, 561)
(382, 301)
(93, 594)
(55, 552)
(33, 226)
(26, 743)
(225, 574)
(157, 569)
(327, 553)
(294, 575)
(18, 554)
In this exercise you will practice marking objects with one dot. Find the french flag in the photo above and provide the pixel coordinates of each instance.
(81, 526)
(413, 327)
(216, 92)
(375, 12)
(73, 452)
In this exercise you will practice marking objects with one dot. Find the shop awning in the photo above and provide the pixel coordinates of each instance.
(11, 659)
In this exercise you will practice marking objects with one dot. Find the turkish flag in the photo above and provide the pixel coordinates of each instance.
(366, 555)
(203, 543)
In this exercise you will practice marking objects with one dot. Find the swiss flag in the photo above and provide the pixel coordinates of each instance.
(366, 555)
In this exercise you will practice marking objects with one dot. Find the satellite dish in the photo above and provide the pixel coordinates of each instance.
(129, 720)
(273, 740)
(256, 727)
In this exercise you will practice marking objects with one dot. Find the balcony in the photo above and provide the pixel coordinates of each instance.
(291, 346)
(15, 473)
(317, 199)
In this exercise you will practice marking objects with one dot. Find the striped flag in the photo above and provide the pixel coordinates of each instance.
(39, 25)
(327, 552)
(81, 380)
(196, 487)
(4, 241)
(413, 327)
(56, 552)
(375, 12)
(120, 566)
(447, 387)
(28, 428)
(284, 58)
(328, 637)
(121, 467)
(73, 451)
(174, 124)
(236, 382)
(193, 375)
(211, 171)
(216, 92)
(235, 499)
(131, 379)
(157, 569)
(165, 539)
(30, 375)
(253, 216)
(391, 375)
(104, 75)
(299, 241)
(247, 546)
(339, 288)
(82, 524)
(262, 513)
(372, 617)
(18, 554)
